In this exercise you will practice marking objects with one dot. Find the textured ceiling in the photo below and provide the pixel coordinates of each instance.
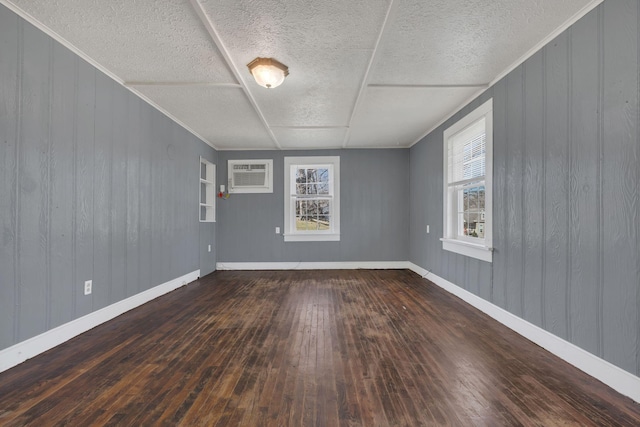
(363, 73)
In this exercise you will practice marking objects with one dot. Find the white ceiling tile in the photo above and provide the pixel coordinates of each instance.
(142, 40)
(314, 138)
(397, 117)
(463, 42)
(273, 27)
(223, 116)
(321, 89)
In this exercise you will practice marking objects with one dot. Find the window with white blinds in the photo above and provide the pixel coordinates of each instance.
(467, 189)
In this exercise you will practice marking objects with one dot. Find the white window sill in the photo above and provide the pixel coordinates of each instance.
(311, 237)
(474, 250)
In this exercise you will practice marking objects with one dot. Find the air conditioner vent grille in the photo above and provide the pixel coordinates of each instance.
(251, 179)
(246, 167)
(250, 176)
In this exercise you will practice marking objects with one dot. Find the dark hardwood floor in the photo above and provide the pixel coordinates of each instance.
(305, 348)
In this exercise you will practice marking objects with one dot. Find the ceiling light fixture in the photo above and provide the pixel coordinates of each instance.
(268, 72)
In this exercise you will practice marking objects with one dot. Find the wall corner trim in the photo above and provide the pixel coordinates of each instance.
(32, 347)
(337, 265)
(616, 378)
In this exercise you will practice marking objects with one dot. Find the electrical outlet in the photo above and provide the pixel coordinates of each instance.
(427, 229)
(87, 286)
(277, 230)
(209, 248)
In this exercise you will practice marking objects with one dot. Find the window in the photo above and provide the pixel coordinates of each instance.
(207, 191)
(467, 184)
(311, 199)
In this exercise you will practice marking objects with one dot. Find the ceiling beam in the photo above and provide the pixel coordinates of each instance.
(207, 84)
(215, 37)
(391, 11)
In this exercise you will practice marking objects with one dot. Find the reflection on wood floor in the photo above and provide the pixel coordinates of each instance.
(305, 348)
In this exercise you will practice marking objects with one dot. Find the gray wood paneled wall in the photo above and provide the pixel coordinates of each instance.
(566, 177)
(374, 218)
(94, 184)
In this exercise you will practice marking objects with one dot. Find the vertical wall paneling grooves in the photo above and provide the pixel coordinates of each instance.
(84, 188)
(156, 194)
(513, 220)
(556, 187)
(620, 183)
(33, 187)
(74, 184)
(46, 177)
(16, 189)
(523, 159)
(600, 204)
(543, 234)
(119, 191)
(145, 195)
(583, 222)
(9, 130)
(61, 177)
(102, 192)
(637, 213)
(500, 151)
(132, 229)
(93, 185)
(570, 183)
(566, 184)
(532, 187)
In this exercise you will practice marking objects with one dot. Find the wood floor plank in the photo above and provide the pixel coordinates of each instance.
(305, 348)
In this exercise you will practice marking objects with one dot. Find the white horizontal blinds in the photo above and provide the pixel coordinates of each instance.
(313, 194)
(467, 154)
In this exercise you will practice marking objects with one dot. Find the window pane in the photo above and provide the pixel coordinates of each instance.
(313, 215)
(323, 175)
(301, 176)
(324, 222)
(323, 188)
(473, 198)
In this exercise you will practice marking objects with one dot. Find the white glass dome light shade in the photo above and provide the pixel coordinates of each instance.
(268, 72)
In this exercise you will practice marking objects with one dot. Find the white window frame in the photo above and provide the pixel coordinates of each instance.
(291, 164)
(452, 240)
(208, 200)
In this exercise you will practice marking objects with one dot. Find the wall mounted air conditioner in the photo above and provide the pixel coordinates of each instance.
(250, 176)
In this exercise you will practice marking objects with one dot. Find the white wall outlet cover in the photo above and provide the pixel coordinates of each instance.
(87, 286)
(427, 229)
(209, 248)
(277, 230)
(222, 188)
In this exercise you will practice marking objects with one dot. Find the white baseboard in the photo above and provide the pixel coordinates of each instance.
(339, 265)
(27, 349)
(616, 378)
